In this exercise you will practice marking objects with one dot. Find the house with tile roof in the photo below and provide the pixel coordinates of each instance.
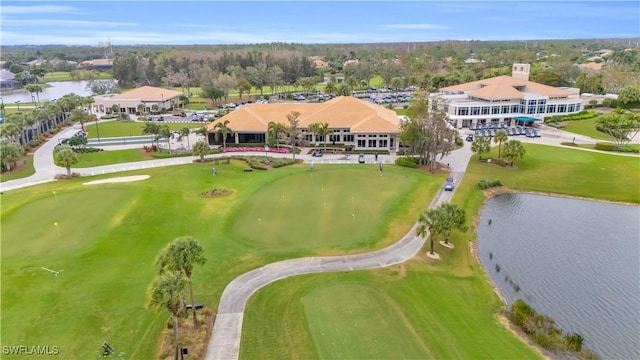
(129, 101)
(513, 100)
(360, 124)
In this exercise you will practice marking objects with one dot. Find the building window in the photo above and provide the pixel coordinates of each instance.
(348, 138)
(495, 110)
(515, 109)
(383, 143)
(463, 111)
(551, 109)
(505, 109)
(562, 108)
(485, 110)
(578, 107)
(531, 110)
(384, 136)
(475, 110)
(542, 101)
(572, 107)
(360, 136)
(361, 143)
(372, 143)
(540, 109)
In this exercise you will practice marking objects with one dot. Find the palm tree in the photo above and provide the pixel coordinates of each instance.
(499, 137)
(166, 133)
(452, 217)
(223, 129)
(274, 129)
(201, 148)
(10, 130)
(180, 256)
(324, 131)
(481, 144)
(79, 115)
(343, 90)
(10, 152)
(330, 88)
(151, 128)
(293, 131)
(203, 131)
(351, 82)
(164, 292)
(513, 149)
(314, 129)
(184, 132)
(66, 157)
(428, 224)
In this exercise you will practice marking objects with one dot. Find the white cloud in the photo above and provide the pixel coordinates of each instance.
(417, 26)
(35, 9)
(63, 23)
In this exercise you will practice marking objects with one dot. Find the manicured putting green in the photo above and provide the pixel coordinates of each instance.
(329, 207)
(58, 222)
(350, 321)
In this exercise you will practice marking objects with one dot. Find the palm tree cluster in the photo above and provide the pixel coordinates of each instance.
(175, 265)
(441, 221)
(24, 128)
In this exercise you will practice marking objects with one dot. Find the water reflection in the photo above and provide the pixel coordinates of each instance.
(56, 90)
(577, 261)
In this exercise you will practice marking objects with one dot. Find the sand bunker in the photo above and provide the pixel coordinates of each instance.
(118, 180)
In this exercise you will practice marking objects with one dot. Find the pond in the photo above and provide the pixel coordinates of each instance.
(576, 261)
(55, 90)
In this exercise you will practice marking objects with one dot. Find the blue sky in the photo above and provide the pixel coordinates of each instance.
(242, 22)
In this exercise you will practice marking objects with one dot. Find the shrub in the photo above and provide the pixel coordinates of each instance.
(35, 143)
(605, 146)
(459, 141)
(484, 184)
(407, 162)
(53, 131)
(582, 115)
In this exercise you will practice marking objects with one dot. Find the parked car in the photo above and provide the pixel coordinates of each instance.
(469, 138)
(448, 185)
(361, 159)
(316, 153)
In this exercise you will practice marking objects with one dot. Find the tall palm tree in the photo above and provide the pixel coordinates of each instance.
(184, 132)
(314, 130)
(324, 131)
(293, 131)
(499, 137)
(452, 217)
(343, 90)
(151, 128)
(481, 144)
(166, 133)
(428, 224)
(274, 129)
(223, 129)
(352, 82)
(79, 115)
(164, 292)
(180, 256)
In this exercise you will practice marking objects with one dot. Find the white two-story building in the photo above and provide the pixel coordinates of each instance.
(513, 100)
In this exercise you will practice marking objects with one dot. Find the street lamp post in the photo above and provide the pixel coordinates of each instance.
(488, 164)
(18, 103)
(97, 130)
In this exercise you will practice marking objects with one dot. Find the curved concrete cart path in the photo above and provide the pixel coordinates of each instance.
(227, 330)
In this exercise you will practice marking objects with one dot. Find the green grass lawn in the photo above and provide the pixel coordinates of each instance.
(109, 157)
(84, 74)
(121, 128)
(447, 304)
(23, 172)
(110, 234)
(586, 127)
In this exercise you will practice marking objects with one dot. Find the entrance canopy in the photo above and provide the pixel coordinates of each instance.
(525, 119)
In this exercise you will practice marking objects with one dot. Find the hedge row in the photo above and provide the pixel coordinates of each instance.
(409, 162)
(484, 184)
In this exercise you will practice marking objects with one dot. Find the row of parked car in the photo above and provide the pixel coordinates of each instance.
(514, 131)
(390, 98)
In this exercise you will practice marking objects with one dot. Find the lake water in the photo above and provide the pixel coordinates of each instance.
(576, 261)
(56, 90)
